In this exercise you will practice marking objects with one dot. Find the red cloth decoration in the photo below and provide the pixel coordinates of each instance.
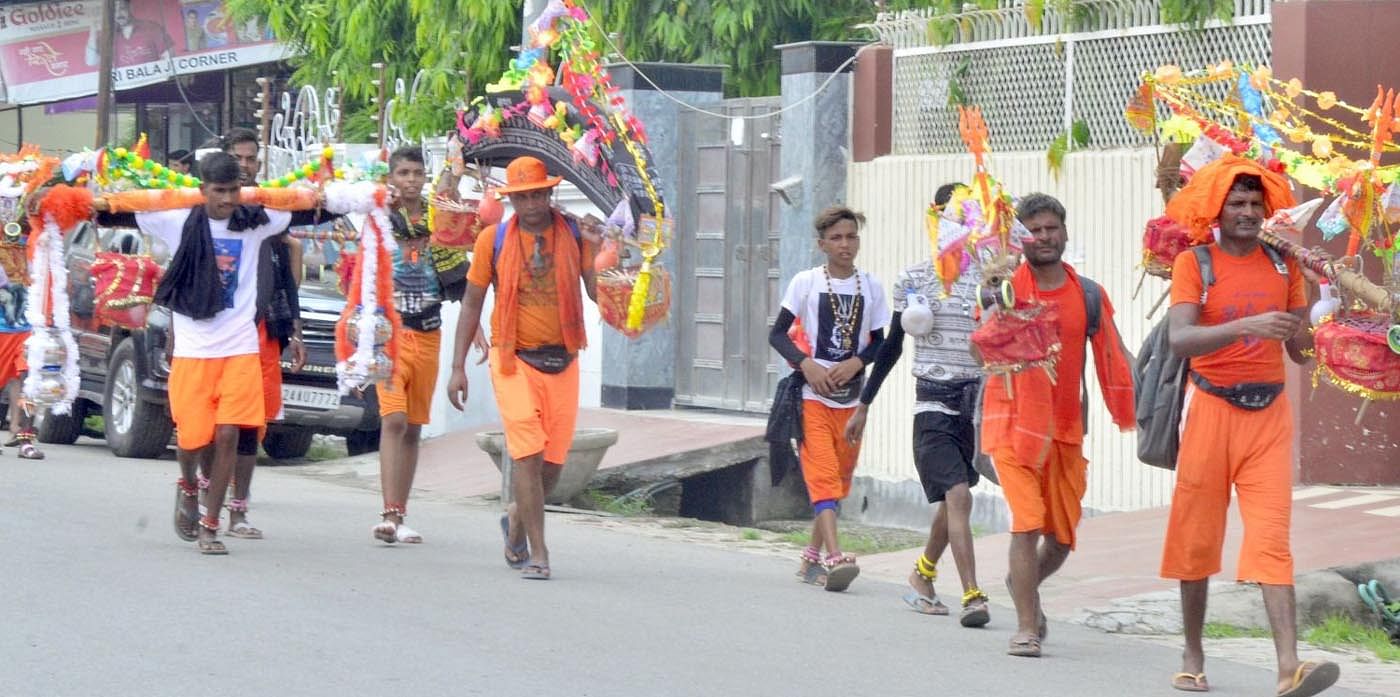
(1163, 239)
(126, 286)
(1352, 354)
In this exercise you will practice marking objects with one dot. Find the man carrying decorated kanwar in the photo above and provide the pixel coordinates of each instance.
(213, 289)
(425, 276)
(1237, 426)
(14, 332)
(944, 441)
(843, 316)
(1034, 427)
(535, 261)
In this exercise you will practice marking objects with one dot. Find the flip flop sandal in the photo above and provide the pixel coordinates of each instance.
(815, 575)
(186, 525)
(244, 531)
(521, 553)
(975, 614)
(926, 605)
(407, 535)
(1189, 682)
(211, 547)
(13, 441)
(385, 532)
(1042, 628)
(28, 451)
(535, 572)
(1311, 678)
(840, 576)
(1024, 645)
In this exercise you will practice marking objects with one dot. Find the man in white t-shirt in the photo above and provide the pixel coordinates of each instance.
(843, 315)
(211, 287)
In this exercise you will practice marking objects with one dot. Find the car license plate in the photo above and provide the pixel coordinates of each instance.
(312, 397)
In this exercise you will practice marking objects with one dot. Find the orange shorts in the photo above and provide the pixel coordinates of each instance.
(538, 410)
(1045, 497)
(270, 357)
(209, 392)
(410, 389)
(1224, 446)
(828, 460)
(13, 358)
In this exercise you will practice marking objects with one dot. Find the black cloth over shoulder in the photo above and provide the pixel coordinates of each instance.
(191, 283)
(785, 426)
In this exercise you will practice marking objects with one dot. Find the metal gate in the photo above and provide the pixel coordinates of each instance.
(726, 287)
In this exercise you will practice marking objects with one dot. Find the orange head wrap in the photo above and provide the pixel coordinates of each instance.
(1197, 205)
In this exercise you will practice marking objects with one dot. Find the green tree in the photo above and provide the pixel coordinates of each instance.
(338, 40)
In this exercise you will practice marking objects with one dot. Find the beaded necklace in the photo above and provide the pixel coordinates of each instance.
(843, 316)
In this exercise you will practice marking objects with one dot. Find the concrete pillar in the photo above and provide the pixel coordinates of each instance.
(815, 146)
(1348, 47)
(641, 373)
(872, 103)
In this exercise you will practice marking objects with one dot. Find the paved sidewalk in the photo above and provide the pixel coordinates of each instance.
(1118, 555)
(453, 464)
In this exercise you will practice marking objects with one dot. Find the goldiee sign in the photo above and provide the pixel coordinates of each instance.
(49, 50)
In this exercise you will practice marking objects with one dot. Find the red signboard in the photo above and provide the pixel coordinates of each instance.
(49, 50)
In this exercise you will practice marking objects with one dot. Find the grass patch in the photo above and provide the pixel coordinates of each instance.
(1341, 631)
(321, 451)
(751, 534)
(854, 543)
(1219, 630)
(618, 505)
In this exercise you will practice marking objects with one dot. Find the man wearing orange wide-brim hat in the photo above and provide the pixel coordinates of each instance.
(535, 261)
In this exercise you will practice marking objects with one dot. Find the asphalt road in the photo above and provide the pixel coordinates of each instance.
(101, 598)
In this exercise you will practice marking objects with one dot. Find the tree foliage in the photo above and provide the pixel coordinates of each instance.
(338, 41)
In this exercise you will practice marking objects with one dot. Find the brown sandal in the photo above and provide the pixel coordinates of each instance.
(1025, 645)
(1190, 682)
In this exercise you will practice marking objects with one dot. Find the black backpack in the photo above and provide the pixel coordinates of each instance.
(1159, 379)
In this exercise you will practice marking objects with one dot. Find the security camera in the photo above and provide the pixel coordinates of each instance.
(790, 189)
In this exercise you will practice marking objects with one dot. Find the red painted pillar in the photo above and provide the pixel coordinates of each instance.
(1348, 47)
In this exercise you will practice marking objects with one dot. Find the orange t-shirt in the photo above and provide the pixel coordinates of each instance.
(1244, 286)
(539, 301)
(1069, 367)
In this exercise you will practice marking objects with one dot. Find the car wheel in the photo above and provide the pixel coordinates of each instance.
(134, 427)
(361, 442)
(60, 429)
(287, 442)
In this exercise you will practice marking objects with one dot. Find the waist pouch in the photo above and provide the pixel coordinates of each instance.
(1250, 396)
(850, 391)
(551, 360)
(954, 394)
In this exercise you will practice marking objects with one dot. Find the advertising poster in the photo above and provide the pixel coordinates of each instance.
(49, 50)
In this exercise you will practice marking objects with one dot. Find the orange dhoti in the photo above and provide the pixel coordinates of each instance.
(270, 357)
(538, 409)
(1223, 446)
(828, 459)
(1044, 497)
(13, 361)
(209, 392)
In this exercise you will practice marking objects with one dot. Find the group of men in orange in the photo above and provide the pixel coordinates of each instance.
(1236, 428)
(231, 287)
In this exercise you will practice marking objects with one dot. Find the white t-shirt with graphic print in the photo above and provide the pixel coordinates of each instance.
(231, 332)
(823, 316)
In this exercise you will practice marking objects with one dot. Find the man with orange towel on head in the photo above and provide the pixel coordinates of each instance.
(1035, 430)
(1237, 427)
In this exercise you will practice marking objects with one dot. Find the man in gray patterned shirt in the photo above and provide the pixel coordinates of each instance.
(944, 441)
